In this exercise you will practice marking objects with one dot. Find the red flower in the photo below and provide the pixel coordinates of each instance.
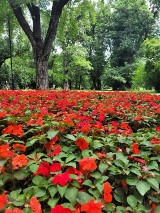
(87, 164)
(43, 169)
(61, 179)
(155, 140)
(145, 169)
(74, 171)
(153, 208)
(51, 143)
(55, 167)
(107, 192)
(101, 155)
(19, 146)
(60, 209)
(82, 143)
(158, 128)
(135, 149)
(3, 200)
(19, 161)
(124, 184)
(38, 121)
(5, 151)
(114, 123)
(77, 210)
(35, 205)
(140, 160)
(15, 210)
(14, 130)
(3, 114)
(92, 207)
(2, 169)
(56, 151)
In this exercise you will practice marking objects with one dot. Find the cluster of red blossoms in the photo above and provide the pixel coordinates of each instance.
(45, 120)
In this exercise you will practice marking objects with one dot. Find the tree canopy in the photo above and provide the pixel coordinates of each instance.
(82, 43)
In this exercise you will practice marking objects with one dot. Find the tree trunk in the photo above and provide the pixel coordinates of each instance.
(99, 84)
(42, 82)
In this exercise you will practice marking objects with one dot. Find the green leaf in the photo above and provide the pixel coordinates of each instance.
(120, 156)
(94, 192)
(2, 162)
(120, 209)
(153, 165)
(99, 187)
(132, 181)
(73, 164)
(39, 192)
(1, 183)
(51, 134)
(62, 189)
(88, 183)
(132, 201)
(103, 167)
(70, 137)
(119, 195)
(153, 183)
(109, 207)
(68, 205)
(135, 171)
(71, 195)
(27, 210)
(119, 163)
(18, 203)
(65, 148)
(38, 180)
(52, 190)
(21, 174)
(96, 175)
(83, 197)
(31, 142)
(33, 168)
(52, 202)
(47, 160)
(97, 144)
(157, 209)
(76, 184)
(15, 194)
(143, 187)
(70, 158)
(40, 154)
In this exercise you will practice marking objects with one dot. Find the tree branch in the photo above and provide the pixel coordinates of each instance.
(53, 24)
(22, 21)
(35, 13)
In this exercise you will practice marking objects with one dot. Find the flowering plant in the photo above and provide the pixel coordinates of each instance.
(69, 151)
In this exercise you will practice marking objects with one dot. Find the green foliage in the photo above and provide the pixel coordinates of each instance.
(131, 23)
(152, 66)
(138, 80)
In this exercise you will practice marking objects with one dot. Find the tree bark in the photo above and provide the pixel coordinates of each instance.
(42, 81)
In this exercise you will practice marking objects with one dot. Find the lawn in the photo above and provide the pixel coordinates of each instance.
(74, 151)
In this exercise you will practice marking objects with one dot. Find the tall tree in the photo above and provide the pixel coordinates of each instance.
(98, 47)
(131, 24)
(71, 35)
(41, 46)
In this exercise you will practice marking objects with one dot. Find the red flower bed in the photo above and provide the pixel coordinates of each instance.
(69, 151)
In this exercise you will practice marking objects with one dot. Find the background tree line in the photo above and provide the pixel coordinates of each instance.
(84, 44)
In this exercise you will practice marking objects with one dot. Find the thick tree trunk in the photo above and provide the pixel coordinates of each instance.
(42, 82)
